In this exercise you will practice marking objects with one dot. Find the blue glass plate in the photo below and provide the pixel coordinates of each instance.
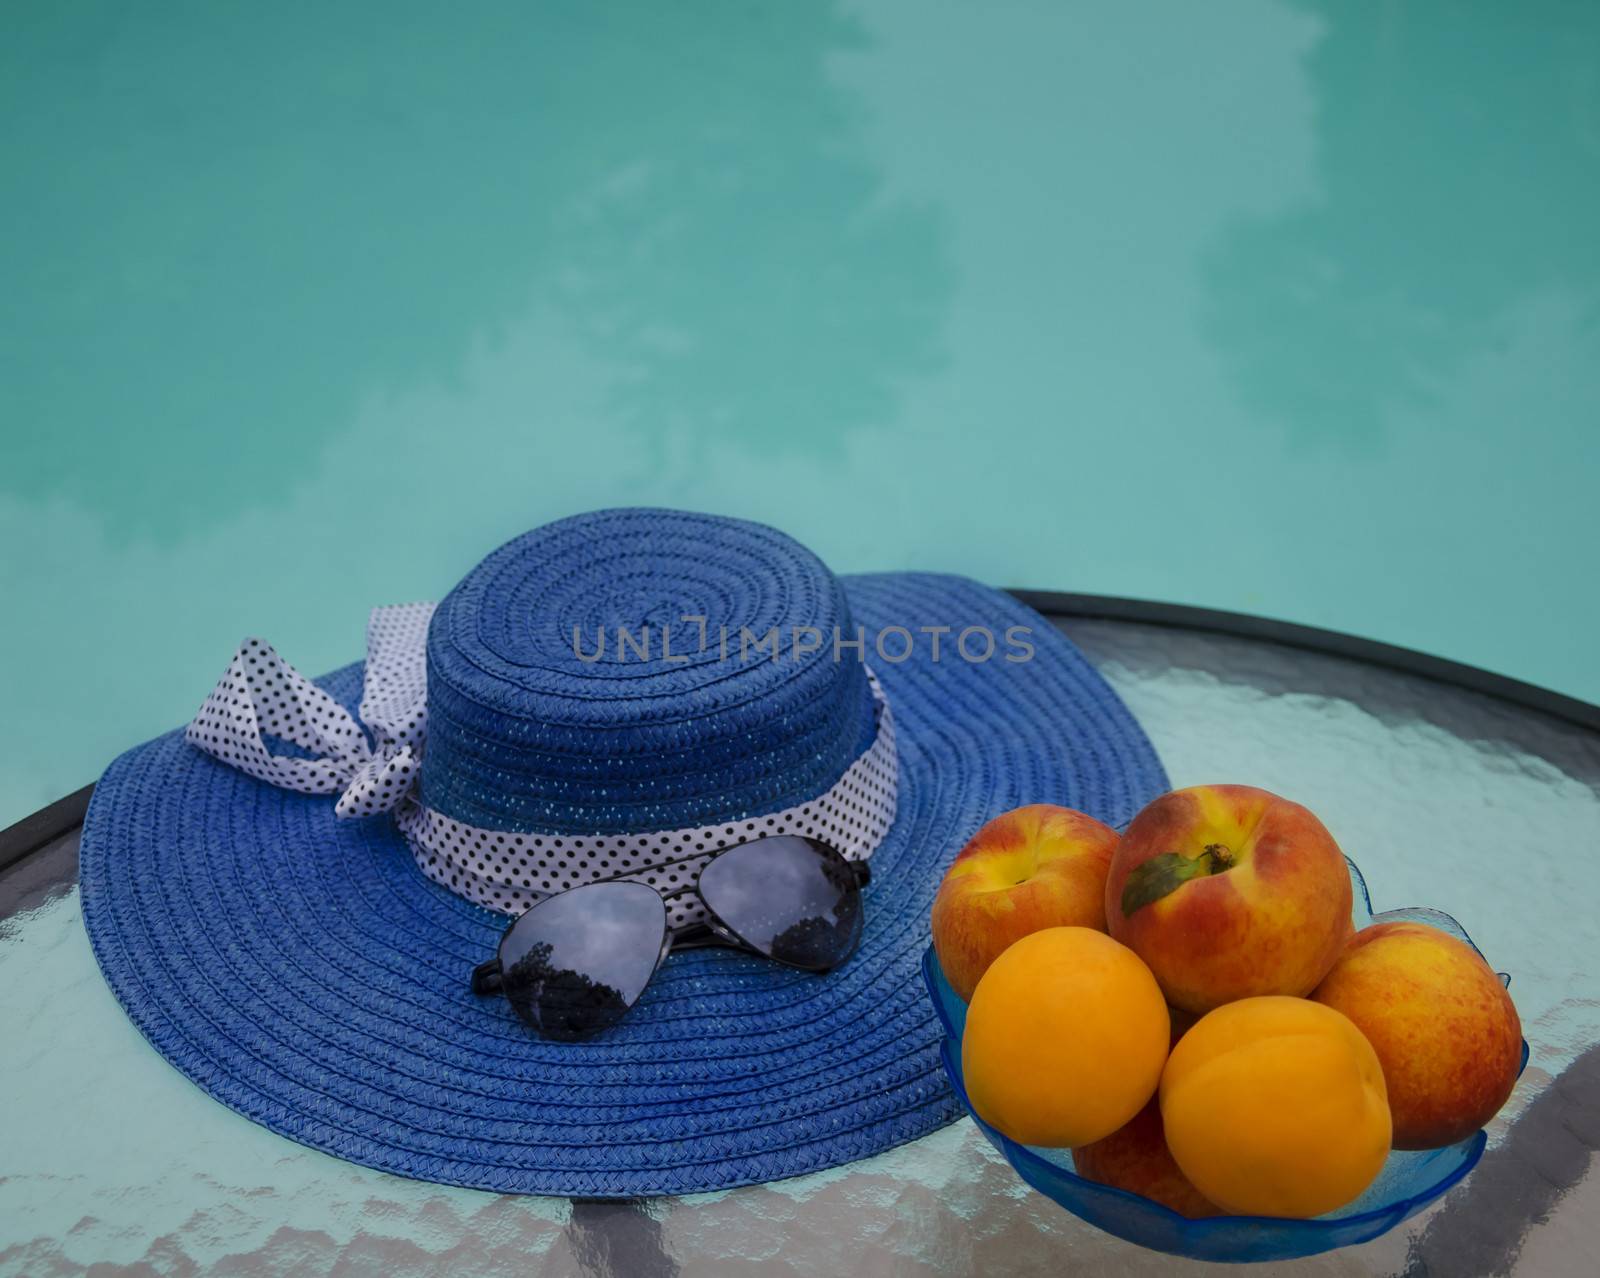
(1410, 1180)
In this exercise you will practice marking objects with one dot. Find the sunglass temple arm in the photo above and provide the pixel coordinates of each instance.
(486, 977)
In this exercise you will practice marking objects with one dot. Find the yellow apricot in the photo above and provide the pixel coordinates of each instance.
(1275, 1106)
(1066, 1035)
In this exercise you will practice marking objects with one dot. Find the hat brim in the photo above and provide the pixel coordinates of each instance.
(304, 972)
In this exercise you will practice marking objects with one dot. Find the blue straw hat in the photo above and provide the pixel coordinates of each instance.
(305, 957)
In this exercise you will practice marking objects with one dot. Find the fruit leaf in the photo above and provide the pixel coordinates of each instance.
(1160, 875)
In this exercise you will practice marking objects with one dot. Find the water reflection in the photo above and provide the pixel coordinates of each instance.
(309, 313)
(1459, 166)
(226, 230)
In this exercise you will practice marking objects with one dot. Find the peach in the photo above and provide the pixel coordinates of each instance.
(1445, 1030)
(1275, 1106)
(1229, 892)
(1034, 867)
(1135, 1157)
(1065, 1039)
(1182, 1022)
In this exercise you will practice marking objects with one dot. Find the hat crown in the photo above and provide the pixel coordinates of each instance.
(573, 687)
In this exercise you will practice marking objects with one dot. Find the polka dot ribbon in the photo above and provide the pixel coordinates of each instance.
(269, 721)
(509, 871)
(262, 700)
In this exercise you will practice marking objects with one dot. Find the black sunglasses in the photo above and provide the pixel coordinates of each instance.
(573, 964)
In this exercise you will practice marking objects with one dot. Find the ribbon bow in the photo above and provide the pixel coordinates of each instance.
(262, 699)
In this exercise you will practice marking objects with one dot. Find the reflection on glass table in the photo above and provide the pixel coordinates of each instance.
(1444, 796)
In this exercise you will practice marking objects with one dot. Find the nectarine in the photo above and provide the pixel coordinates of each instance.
(1229, 892)
(1135, 1157)
(1033, 867)
(1443, 1025)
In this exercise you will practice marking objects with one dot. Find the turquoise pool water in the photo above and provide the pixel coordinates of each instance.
(1281, 307)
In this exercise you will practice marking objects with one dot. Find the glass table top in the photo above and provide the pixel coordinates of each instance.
(1444, 797)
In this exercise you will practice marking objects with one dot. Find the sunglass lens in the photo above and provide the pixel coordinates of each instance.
(574, 964)
(794, 899)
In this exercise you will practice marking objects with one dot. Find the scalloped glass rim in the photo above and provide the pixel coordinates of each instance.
(1410, 1180)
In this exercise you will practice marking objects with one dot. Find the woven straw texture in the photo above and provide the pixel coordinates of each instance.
(525, 734)
(303, 971)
